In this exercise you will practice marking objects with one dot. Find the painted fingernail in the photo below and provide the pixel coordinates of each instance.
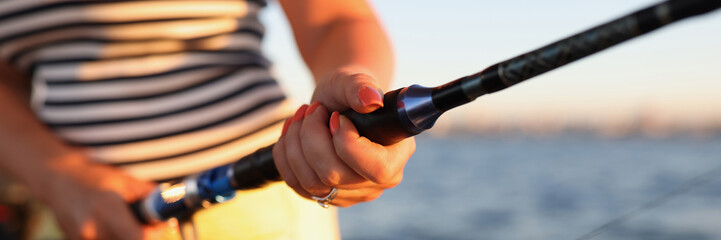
(285, 126)
(312, 108)
(300, 113)
(370, 97)
(334, 122)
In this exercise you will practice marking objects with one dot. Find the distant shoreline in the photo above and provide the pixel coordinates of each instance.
(611, 132)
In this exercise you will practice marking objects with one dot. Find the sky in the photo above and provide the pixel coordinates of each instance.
(674, 73)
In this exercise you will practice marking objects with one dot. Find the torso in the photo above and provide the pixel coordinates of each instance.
(162, 89)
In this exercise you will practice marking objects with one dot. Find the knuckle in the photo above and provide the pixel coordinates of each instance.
(297, 188)
(292, 183)
(397, 181)
(394, 182)
(340, 73)
(380, 175)
(344, 151)
(331, 178)
(371, 197)
(313, 187)
(359, 76)
(376, 171)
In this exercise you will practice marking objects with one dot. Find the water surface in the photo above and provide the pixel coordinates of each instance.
(562, 187)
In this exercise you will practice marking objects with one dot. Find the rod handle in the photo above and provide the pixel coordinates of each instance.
(258, 169)
(381, 126)
(255, 170)
(385, 125)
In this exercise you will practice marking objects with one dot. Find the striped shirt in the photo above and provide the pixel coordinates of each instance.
(161, 89)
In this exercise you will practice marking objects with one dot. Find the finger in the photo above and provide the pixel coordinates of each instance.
(347, 198)
(69, 228)
(317, 146)
(281, 163)
(357, 91)
(373, 161)
(296, 160)
(129, 188)
(294, 155)
(138, 189)
(117, 223)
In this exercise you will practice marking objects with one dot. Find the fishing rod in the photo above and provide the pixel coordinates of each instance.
(411, 110)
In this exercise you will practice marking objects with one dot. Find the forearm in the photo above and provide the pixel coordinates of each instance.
(354, 44)
(29, 152)
(333, 35)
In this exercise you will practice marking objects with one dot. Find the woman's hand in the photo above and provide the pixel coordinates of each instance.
(320, 149)
(90, 201)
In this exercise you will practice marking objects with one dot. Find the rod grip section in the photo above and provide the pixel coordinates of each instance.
(255, 170)
(381, 126)
(384, 125)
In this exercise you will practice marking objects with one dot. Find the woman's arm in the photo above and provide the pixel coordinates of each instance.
(89, 200)
(334, 35)
(350, 57)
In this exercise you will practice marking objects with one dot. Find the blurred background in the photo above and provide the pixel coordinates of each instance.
(556, 156)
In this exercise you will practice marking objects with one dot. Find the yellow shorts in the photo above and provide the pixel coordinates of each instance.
(273, 212)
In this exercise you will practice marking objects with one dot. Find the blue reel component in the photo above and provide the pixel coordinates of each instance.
(216, 185)
(182, 198)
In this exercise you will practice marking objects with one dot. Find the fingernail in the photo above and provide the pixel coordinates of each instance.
(300, 113)
(312, 108)
(334, 122)
(285, 126)
(370, 97)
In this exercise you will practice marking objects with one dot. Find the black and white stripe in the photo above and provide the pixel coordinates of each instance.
(160, 88)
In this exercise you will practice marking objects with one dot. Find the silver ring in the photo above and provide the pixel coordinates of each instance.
(325, 201)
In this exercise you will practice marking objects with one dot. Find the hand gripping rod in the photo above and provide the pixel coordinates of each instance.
(411, 110)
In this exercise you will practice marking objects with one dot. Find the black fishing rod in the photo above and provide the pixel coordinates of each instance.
(411, 110)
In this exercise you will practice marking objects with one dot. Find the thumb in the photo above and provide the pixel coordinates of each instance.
(357, 91)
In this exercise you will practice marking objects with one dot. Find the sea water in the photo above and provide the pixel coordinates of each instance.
(558, 187)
